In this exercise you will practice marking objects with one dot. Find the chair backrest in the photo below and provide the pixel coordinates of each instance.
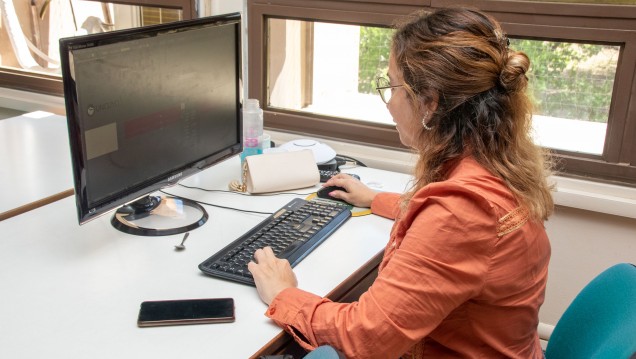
(324, 352)
(601, 320)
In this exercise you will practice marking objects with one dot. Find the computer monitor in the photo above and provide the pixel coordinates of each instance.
(146, 108)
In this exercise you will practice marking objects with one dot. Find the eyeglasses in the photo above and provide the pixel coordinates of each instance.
(385, 89)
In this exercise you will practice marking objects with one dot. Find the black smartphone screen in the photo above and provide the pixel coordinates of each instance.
(186, 311)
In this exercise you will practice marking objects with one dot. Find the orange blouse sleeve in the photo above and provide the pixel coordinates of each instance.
(441, 254)
(386, 204)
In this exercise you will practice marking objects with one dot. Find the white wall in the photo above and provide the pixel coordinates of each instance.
(226, 6)
(216, 7)
(584, 243)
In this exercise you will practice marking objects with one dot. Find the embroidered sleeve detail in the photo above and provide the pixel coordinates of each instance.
(417, 351)
(512, 221)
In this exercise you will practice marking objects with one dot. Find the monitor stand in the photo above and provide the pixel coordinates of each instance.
(159, 216)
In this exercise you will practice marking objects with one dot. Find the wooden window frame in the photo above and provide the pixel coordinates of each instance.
(596, 23)
(52, 85)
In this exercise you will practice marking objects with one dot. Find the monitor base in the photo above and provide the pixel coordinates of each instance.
(159, 216)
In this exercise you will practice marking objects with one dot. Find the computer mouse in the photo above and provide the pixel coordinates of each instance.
(324, 193)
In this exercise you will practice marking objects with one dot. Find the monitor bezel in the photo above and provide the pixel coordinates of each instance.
(107, 204)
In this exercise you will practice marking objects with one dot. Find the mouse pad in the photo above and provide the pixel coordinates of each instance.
(355, 211)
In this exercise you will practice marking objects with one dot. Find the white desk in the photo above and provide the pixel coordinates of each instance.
(35, 162)
(72, 291)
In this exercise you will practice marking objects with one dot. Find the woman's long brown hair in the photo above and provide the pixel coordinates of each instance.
(461, 57)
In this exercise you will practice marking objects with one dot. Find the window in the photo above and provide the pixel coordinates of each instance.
(30, 58)
(572, 86)
(309, 78)
(157, 15)
(312, 64)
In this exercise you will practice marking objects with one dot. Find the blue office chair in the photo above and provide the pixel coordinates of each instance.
(601, 321)
(324, 352)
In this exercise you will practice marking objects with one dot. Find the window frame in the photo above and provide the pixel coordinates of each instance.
(595, 23)
(52, 85)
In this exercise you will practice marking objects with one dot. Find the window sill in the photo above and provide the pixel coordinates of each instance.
(575, 193)
(595, 196)
(31, 101)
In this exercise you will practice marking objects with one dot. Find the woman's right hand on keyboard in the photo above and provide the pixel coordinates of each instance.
(357, 193)
(271, 274)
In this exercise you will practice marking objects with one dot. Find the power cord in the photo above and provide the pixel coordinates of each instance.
(216, 205)
(346, 160)
(246, 194)
(236, 193)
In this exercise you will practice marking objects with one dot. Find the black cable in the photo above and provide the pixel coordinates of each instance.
(216, 205)
(342, 160)
(245, 194)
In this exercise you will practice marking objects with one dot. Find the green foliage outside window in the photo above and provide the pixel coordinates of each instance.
(375, 45)
(567, 80)
(570, 80)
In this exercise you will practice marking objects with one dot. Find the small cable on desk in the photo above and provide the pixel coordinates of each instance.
(246, 194)
(216, 205)
(343, 160)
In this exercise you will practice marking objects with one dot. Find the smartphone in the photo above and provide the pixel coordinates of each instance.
(186, 311)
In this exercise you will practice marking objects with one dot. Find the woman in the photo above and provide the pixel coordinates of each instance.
(465, 269)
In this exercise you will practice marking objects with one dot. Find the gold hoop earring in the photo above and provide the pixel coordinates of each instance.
(426, 127)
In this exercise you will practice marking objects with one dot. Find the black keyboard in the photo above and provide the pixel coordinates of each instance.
(292, 232)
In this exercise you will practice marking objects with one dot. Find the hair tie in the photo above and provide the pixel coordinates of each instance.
(502, 39)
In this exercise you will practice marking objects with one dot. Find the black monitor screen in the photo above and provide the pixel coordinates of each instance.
(149, 106)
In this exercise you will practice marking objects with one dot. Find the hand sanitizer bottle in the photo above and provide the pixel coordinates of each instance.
(252, 129)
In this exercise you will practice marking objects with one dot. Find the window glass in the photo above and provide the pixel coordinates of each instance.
(571, 84)
(327, 69)
(35, 27)
(330, 69)
(156, 15)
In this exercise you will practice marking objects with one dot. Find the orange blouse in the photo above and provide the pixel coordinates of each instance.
(463, 275)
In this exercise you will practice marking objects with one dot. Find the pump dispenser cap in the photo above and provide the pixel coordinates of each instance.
(251, 104)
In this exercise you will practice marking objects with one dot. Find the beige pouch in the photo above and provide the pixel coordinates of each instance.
(274, 172)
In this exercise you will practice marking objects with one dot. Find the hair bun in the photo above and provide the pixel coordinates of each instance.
(513, 75)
